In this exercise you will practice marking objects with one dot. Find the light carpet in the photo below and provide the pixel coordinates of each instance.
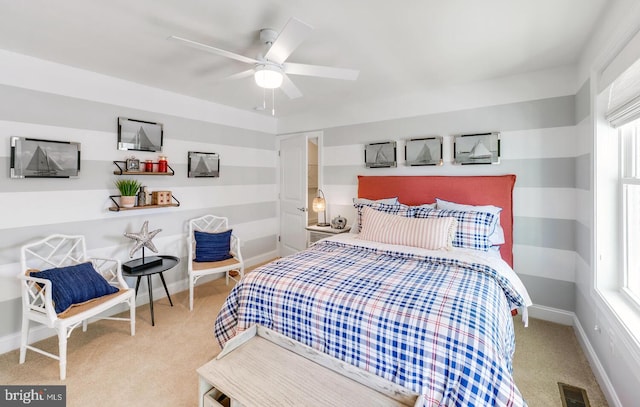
(108, 367)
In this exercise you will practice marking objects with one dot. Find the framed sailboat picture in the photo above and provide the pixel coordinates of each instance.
(203, 164)
(139, 135)
(380, 155)
(423, 151)
(36, 158)
(482, 148)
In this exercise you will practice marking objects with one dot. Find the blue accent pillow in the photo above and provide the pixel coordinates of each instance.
(75, 285)
(212, 246)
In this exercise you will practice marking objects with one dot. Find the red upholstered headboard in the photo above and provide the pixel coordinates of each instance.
(481, 190)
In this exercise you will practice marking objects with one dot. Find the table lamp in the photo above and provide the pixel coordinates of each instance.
(320, 205)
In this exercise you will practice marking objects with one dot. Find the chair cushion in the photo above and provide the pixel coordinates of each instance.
(76, 309)
(75, 285)
(206, 265)
(212, 246)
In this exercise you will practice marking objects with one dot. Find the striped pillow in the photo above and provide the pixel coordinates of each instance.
(474, 228)
(432, 234)
(395, 209)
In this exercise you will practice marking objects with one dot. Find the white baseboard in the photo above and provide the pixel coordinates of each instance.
(552, 314)
(40, 332)
(571, 319)
(261, 259)
(598, 370)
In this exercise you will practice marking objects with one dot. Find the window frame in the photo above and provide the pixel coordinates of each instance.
(629, 166)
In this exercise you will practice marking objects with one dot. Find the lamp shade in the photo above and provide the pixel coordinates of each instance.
(268, 76)
(319, 204)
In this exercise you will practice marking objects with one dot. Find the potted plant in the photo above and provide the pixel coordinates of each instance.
(128, 189)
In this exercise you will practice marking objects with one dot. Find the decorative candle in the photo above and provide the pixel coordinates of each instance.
(148, 166)
(162, 164)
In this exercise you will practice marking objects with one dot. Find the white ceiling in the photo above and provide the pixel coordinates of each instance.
(400, 47)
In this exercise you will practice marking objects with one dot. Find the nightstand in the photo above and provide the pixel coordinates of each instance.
(315, 233)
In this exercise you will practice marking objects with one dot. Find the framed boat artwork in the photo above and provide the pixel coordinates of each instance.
(36, 158)
(203, 165)
(139, 135)
(380, 155)
(481, 148)
(423, 151)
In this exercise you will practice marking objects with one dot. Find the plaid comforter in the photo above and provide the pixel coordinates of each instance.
(438, 326)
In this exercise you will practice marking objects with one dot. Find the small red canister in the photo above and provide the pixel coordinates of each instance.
(148, 166)
(162, 164)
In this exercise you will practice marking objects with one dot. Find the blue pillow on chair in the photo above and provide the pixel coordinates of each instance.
(75, 284)
(212, 246)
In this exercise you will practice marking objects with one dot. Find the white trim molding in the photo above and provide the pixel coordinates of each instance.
(570, 319)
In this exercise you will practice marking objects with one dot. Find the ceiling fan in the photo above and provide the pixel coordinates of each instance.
(271, 69)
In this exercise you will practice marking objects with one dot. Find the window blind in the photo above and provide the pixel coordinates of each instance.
(624, 97)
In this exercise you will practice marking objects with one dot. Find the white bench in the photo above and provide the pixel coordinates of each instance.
(260, 367)
(37, 302)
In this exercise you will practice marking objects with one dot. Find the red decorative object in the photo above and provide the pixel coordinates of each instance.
(148, 166)
(162, 164)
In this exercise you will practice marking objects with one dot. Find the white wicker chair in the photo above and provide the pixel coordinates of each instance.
(211, 224)
(37, 305)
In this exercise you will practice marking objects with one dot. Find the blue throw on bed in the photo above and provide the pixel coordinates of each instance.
(438, 326)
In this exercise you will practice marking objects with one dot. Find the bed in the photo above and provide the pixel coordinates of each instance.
(438, 322)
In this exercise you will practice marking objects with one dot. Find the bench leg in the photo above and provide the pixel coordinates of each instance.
(62, 348)
(24, 339)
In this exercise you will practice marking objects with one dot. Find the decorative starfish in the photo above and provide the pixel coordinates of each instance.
(143, 239)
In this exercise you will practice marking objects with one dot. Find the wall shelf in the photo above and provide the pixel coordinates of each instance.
(118, 208)
(122, 170)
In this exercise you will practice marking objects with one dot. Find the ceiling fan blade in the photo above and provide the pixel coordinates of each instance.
(321, 71)
(292, 35)
(289, 88)
(239, 75)
(213, 50)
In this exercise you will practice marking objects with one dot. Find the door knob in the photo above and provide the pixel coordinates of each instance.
(302, 209)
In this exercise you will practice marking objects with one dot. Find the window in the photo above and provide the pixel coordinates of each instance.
(630, 186)
(616, 228)
(615, 263)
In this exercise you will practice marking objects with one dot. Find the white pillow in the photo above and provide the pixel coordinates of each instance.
(432, 233)
(388, 201)
(497, 236)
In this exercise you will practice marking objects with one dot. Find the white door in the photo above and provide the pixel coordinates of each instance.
(293, 194)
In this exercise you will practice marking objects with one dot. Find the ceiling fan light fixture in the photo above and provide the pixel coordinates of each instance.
(268, 76)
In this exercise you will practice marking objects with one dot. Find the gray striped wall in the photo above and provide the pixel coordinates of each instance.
(31, 113)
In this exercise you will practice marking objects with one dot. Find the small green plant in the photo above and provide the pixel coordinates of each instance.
(128, 187)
